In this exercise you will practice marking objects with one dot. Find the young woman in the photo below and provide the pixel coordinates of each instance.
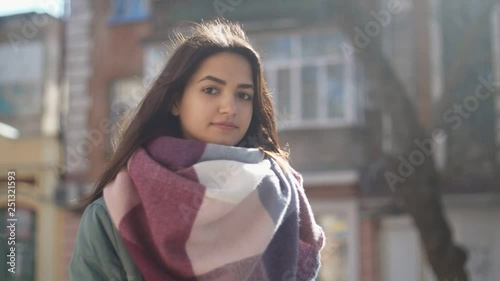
(199, 188)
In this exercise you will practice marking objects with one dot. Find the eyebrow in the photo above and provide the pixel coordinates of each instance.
(220, 81)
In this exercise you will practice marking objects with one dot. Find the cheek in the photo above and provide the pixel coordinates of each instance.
(251, 110)
(193, 109)
(247, 113)
(194, 116)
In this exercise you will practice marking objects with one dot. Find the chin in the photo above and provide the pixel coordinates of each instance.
(228, 143)
(223, 142)
(218, 139)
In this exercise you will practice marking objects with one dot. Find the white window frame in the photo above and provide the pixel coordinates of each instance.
(294, 64)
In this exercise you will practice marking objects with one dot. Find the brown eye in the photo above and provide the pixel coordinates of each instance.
(210, 90)
(245, 96)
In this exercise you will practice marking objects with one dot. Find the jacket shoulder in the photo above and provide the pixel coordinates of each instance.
(99, 252)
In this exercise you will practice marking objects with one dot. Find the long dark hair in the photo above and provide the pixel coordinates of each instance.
(153, 118)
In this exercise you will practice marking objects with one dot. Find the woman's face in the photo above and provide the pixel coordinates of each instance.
(217, 103)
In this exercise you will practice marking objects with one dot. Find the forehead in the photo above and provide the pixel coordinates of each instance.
(226, 66)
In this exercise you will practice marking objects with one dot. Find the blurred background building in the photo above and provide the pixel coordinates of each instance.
(30, 144)
(64, 86)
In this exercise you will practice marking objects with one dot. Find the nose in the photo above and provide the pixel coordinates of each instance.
(228, 104)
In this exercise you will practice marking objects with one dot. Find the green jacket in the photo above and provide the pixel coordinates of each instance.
(99, 252)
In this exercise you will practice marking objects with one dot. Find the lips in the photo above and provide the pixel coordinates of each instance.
(225, 125)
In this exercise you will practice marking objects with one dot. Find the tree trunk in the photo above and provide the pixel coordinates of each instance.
(419, 188)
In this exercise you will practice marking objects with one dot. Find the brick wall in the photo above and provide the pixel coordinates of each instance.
(69, 230)
(369, 230)
(117, 54)
(78, 70)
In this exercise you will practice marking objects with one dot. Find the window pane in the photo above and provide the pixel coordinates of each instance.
(335, 92)
(20, 98)
(321, 44)
(284, 98)
(21, 86)
(155, 57)
(309, 93)
(129, 10)
(25, 224)
(25, 257)
(334, 256)
(125, 95)
(275, 48)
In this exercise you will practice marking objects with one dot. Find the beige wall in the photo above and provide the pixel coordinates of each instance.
(36, 159)
(324, 149)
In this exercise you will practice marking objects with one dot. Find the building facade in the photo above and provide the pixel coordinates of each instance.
(326, 114)
(30, 147)
(104, 62)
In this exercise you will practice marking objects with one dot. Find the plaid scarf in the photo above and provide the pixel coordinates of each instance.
(188, 210)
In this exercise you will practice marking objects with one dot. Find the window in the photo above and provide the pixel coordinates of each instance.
(21, 79)
(14, 99)
(125, 94)
(21, 86)
(25, 246)
(125, 11)
(339, 257)
(334, 254)
(155, 57)
(310, 78)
